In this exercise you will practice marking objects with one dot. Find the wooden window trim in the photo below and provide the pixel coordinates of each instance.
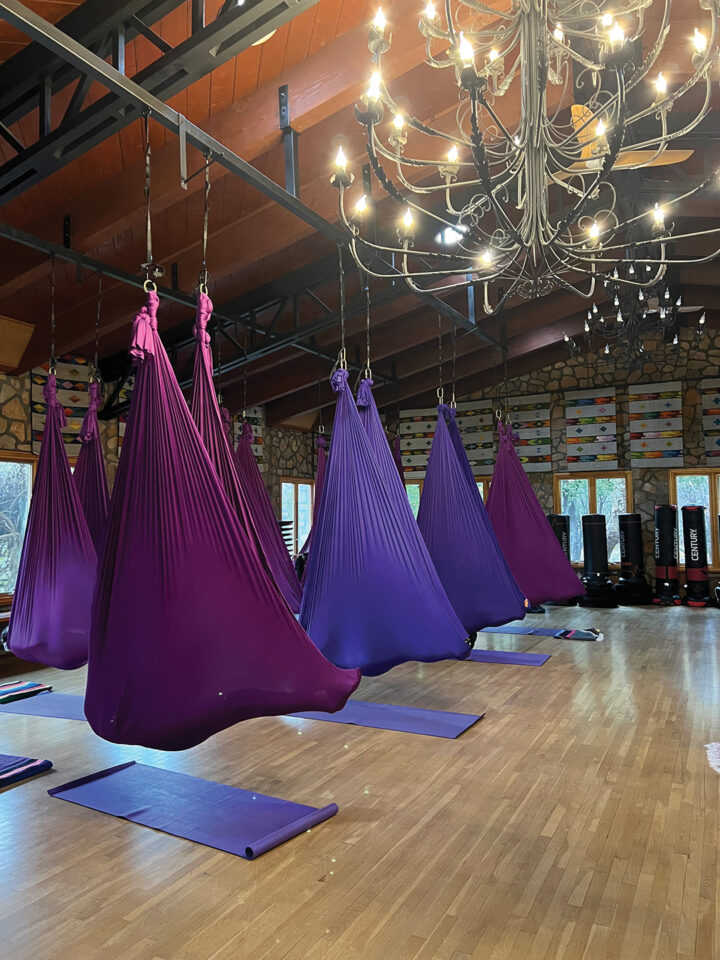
(296, 482)
(592, 476)
(713, 474)
(15, 456)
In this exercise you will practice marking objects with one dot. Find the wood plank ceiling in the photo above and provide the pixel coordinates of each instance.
(256, 250)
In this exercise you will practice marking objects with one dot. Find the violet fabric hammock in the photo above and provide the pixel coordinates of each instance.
(531, 549)
(321, 444)
(372, 598)
(397, 457)
(90, 477)
(50, 617)
(263, 518)
(461, 541)
(189, 634)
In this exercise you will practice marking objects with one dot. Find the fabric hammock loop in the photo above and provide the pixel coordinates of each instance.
(202, 318)
(144, 325)
(51, 399)
(86, 434)
(339, 379)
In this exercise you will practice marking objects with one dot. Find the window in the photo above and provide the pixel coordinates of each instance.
(607, 493)
(698, 486)
(296, 506)
(414, 491)
(17, 472)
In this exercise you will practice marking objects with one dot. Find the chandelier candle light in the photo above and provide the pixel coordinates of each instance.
(523, 205)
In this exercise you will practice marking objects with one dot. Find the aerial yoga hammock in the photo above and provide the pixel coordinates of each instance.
(372, 598)
(532, 550)
(189, 634)
(90, 477)
(397, 457)
(321, 444)
(50, 616)
(459, 537)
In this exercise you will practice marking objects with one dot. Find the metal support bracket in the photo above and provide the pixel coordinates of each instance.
(290, 143)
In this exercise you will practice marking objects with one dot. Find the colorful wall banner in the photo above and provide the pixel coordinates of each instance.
(656, 429)
(710, 396)
(73, 377)
(591, 429)
(475, 421)
(530, 417)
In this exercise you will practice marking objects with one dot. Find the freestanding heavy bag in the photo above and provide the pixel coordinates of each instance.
(697, 587)
(666, 555)
(600, 590)
(632, 587)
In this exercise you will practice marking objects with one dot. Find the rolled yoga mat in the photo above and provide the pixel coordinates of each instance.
(60, 706)
(237, 821)
(509, 656)
(697, 587)
(560, 524)
(596, 576)
(15, 769)
(20, 689)
(666, 555)
(632, 587)
(387, 716)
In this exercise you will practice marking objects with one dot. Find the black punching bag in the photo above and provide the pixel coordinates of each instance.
(666, 555)
(596, 576)
(632, 587)
(697, 587)
(560, 524)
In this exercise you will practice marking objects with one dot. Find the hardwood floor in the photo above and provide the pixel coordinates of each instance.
(578, 821)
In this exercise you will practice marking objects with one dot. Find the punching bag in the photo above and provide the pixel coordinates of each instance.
(666, 555)
(560, 524)
(697, 586)
(632, 587)
(600, 590)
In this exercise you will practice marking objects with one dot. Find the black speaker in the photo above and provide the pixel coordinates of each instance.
(632, 587)
(600, 590)
(560, 524)
(666, 555)
(697, 586)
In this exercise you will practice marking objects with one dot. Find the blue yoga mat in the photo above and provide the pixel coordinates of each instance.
(62, 706)
(387, 716)
(508, 656)
(15, 769)
(237, 821)
(566, 634)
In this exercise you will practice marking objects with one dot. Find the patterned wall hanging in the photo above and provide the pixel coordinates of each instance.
(656, 429)
(475, 422)
(531, 422)
(591, 429)
(255, 416)
(73, 376)
(710, 395)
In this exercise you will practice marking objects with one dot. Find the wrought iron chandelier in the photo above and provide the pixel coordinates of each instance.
(525, 204)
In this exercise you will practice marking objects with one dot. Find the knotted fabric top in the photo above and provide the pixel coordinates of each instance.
(144, 326)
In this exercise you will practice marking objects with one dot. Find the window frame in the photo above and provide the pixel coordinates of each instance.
(296, 482)
(484, 479)
(592, 476)
(713, 475)
(16, 456)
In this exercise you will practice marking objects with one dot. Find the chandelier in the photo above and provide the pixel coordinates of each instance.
(516, 195)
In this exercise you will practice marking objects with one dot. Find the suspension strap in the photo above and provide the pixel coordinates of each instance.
(52, 366)
(204, 276)
(218, 350)
(245, 366)
(148, 221)
(342, 356)
(367, 372)
(95, 376)
(453, 337)
(321, 425)
(440, 392)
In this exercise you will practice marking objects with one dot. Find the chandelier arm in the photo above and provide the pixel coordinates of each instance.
(478, 151)
(573, 135)
(481, 8)
(655, 50)
(712, 178)
(688, 128)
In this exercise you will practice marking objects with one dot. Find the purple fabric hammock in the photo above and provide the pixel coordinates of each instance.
(321, 444)
(50, 617)
(263, 517)
(461, 541)
(397, 457)
(90, 477)
(372, 598)
(532, 550)
(189, 634)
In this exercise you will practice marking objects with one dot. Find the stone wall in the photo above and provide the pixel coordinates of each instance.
(15, 419)
(287, 453)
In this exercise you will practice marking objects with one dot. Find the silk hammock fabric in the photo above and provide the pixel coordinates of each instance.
(189, 634)
(531, 549)
(372, 598)
(397, 457)
(90, 477)
(460, 539)
(50, 616)
(263, 518)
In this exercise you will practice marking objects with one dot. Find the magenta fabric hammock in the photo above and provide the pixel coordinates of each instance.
(321, 444)
(372, 598)
(397, 457)
(531, 549)
(90, 477)
(50, 616)
(263, 518)
(189, 634)
(461, 541)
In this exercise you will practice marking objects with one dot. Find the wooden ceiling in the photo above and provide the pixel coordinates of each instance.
(258, 253)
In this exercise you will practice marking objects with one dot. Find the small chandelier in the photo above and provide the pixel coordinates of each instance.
(517, 189)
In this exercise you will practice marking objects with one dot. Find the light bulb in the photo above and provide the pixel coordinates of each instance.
(699, 41)
(407, 219)
(589, 315)
(559, 34)
(587, 327)
(361, 205)
(641, 296)
(373, 90)
(619, 317)
(667, 294)
(661, 84)
(398, 121)
(663, 313)
(566, 338)
(616, 301)
(453, 154)
(631, 271)
(600, 129)
(493, 55)
(594, 230)
(615, 274)
(675, 340)
(465, 49)
(380, 22)
(658, 215)
(607, 349)
(594, 308)
(616, 35)
(701, 321)
(678, 302)
(516, 140)
(486, 258)
(340, 159)
(430, 12)
(606, 20)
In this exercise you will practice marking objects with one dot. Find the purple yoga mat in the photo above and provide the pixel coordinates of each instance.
(237, 821)
(388, 716)
(509, 656)
(61, 706)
